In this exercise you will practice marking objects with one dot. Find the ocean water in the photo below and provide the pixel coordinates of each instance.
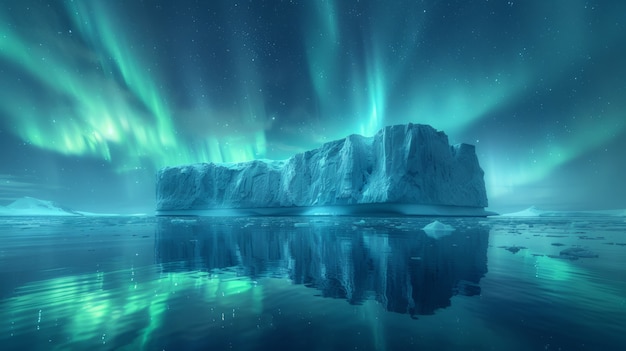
(312, 283)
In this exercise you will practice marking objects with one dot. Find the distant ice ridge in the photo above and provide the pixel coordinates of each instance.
(30, 206)
(401, 165)
(535, 212)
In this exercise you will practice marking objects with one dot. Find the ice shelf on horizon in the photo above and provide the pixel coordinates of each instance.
(30, 206)
(402, 168)
(533, 211)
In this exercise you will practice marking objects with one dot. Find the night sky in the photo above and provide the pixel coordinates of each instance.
(98, 95)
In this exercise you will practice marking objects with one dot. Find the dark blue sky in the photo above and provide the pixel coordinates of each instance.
(97, 95)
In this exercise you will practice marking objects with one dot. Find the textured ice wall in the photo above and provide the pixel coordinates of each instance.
(410, 163)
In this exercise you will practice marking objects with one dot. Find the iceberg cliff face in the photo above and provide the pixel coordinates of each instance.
(401, 164)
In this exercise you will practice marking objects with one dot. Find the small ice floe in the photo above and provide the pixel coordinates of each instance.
(585, 237)
(301, 224)
(514, 249)
(438, 230)
(574, 253)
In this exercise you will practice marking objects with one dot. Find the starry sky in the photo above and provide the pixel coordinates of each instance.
(98, 95)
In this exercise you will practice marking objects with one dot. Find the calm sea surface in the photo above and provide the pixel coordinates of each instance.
(312, 283)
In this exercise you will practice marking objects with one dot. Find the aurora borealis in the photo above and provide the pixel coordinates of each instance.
(97, 95)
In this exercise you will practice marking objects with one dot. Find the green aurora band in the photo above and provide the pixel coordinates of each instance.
(125, 121)
(103, 94)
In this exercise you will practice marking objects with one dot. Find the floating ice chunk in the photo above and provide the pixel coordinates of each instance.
(301, 224)
(437, 229)
(436, 225)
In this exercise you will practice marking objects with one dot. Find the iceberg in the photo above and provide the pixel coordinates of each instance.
(404, 169)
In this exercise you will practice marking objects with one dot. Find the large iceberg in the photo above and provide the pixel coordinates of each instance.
(406, 169)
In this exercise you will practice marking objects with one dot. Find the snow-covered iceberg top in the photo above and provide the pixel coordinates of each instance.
(401, 164)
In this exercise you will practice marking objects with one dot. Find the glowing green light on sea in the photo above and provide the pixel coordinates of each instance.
(85, 309)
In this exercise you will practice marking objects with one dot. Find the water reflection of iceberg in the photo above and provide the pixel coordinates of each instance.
(406, 271)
